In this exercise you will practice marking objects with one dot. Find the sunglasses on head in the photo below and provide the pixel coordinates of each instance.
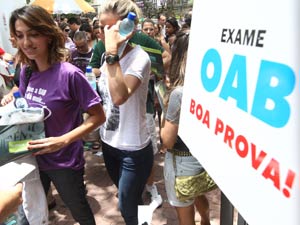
(67, 30)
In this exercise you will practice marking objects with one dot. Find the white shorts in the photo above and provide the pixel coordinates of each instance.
(185, 166)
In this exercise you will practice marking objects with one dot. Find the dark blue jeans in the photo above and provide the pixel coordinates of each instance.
(129, 170)
(70, 186)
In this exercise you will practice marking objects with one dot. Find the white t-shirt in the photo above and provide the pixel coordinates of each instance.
(126, 127)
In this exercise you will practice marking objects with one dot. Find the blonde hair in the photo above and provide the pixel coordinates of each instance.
(121, 8)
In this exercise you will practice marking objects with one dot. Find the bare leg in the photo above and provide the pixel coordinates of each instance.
(202, 206)
(186, 215)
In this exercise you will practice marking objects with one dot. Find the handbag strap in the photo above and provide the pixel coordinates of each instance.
(28, 73)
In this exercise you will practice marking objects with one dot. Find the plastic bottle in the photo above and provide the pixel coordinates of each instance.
(126, 26)
(91, 77)
(11, 67)
(20, 102)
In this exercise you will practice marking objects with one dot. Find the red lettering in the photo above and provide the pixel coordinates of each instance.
(219, 126)
(228, 136)
(241, 146)
(289, 183)
(272, 172)
(206, 119)
(257, 160)
(192, 106)
(199, 112)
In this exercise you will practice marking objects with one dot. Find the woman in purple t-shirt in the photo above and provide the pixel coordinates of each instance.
(65, 93)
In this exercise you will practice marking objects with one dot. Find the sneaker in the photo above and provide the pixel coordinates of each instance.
(156, 199)
(156, 202)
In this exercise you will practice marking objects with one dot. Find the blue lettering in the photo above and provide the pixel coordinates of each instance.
(211, 83)
(236, 71)
(275, 81)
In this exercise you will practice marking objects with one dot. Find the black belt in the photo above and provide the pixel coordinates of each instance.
(179, 153)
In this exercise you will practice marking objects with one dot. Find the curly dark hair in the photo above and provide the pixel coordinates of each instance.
(173, 21)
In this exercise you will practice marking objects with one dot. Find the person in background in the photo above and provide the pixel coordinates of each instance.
(161, 20)
(60, 156)
(97, 32)
(91, 38)
(74, 24)
(148, 28)
(187, 21)
(85, 19)
(172, 27)
(5, 56)
(6, 77)
(69, 44)
(63, 19)
(178, 159)
(81, 55)
(10, 199)
(6, 82)
(157, 31)
(160, 38)
(123, 85)
(95, 21)
(9, 96)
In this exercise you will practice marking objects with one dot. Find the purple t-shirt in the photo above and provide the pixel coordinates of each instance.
(65, 93)
(81, 60)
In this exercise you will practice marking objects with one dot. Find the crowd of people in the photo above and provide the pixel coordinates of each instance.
(122, 109)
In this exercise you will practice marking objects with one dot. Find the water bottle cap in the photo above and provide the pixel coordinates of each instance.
(131, 16)
(17, 94)
(11, 62)
(88, 69)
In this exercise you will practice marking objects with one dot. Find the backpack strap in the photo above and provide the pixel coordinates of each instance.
(28, 73)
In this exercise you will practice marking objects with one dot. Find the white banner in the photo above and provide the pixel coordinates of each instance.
(240, 111)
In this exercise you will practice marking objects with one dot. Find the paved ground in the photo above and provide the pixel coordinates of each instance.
(103, 200)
